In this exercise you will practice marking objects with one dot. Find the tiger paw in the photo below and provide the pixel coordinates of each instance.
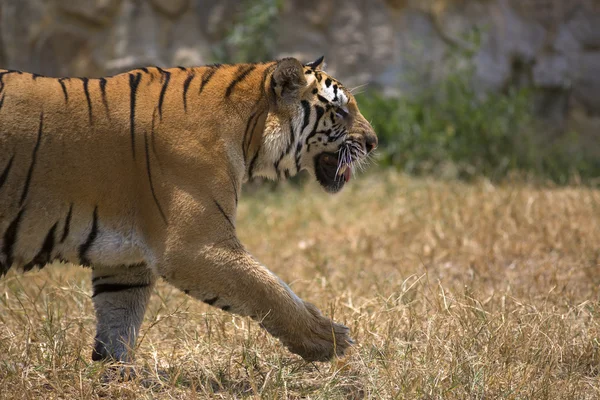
(322, 339)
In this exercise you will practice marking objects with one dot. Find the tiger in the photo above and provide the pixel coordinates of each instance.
(138, 175)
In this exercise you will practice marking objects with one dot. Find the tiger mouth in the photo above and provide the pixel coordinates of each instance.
(330, 173)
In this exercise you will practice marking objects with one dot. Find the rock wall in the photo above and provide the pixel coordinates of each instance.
(551, 44)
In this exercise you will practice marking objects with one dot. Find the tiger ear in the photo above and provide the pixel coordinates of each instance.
(319, 63)
(288, 79)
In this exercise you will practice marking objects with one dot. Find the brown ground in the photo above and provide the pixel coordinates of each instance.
(451, 291)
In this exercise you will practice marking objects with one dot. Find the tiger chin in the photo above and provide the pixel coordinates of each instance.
(137, 176)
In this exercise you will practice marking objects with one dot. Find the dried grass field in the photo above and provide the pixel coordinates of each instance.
(451, 291)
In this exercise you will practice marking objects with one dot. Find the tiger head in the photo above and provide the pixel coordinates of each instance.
(315, 125)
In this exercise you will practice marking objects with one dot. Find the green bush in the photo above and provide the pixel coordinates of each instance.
(452, 130)
(252, 36)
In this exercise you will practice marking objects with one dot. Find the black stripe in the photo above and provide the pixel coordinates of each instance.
(292, 138)
(10, 71)
(67, 224)
(64, 88)
(234, 184)
(103, 93)
(243, 72)
(266, 72)
(335, 92)
(226, 308)
(244, 145)
(306, 107)
(328, 82)
(322, 99)
(186, 86)
(2, 100)
(167, 76)
(162, 214)
(6, 171)
(152, 136)
(33, 160)
(223, 212)
(182, 68)
(258, 117)
(85, 246)
(144, 69)
(44, 255)
(134, 81)
(115, 287)
(251, 169)
(86, 90)
(320, 111)
(287, 150)
(211, 301)
(298, 149)
(206, 77)
(10, 237)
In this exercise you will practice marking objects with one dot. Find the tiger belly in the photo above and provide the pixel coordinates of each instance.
(102, 248)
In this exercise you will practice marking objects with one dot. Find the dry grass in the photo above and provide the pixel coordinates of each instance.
(451, 291)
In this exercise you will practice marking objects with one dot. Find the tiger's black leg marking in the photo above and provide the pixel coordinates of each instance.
(115, 287)
(64, 88)
(167, 78)
(120, 295)
(45, 254)
(162, 214)
(186, 86)
(85, 246)
(243, 72)
(67, 224)
(10, 237)
(103, 82)
(134, 81)
(33, 160)
(207, 77)
(6, 171)
(224, 214)
(86, 90)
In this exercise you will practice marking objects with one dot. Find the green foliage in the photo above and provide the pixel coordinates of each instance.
(452, 130)
(252, 36)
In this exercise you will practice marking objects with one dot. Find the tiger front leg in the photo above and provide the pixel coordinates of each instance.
(231, 279)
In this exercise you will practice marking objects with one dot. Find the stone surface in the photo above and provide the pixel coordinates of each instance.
(95, 12)
(172, 8)
(399, 45)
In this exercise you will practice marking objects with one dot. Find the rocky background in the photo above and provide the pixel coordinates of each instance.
(552, 45)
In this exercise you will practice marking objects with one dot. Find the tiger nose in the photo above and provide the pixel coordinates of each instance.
(370, 142)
